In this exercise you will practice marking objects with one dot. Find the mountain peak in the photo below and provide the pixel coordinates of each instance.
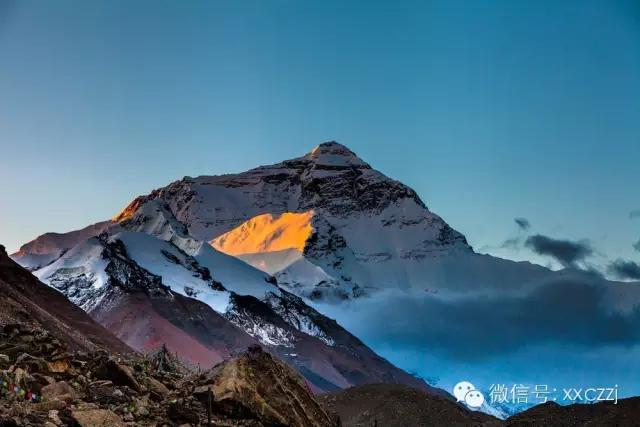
(332, 153)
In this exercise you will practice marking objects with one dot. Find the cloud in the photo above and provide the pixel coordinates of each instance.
(636, 245)
(625, 269)
(522, 223)
(566, 252)
(511, 243)
(480, 328)
(634, 214)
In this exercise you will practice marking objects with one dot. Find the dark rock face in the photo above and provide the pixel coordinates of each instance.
(25, 300)
(257, 386)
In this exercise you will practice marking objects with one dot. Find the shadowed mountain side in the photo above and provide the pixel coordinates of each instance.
(24, 299)
(145, 321)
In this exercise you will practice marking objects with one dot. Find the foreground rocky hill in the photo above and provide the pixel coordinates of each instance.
(42, 383)
(395, 405)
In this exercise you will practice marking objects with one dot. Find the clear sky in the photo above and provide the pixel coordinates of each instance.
(490, 110)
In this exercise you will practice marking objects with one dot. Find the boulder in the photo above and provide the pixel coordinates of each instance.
(179, 413)
(257, 386)
(157, 389)
(58, 391)
(109, 369)
(97, 418)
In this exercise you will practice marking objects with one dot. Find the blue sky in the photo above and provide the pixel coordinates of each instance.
(490, 110)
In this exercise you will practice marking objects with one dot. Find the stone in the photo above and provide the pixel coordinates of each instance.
(157, 389)
(97, 418)
(141, 407)
(58, 391)
(5, 361)
(59, 366)
(19, 376)
(179, 413)
(109, 369)
(48, 406)
(54, 418)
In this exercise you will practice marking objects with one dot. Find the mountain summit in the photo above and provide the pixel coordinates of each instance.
(361, 223)
(334, 154)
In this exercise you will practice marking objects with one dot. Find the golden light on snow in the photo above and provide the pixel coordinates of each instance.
(129, 210)
(267, 233)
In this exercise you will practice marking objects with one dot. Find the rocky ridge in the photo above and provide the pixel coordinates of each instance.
(42, 383)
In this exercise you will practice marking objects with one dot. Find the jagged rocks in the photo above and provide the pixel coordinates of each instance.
(101, 389)
(257, 386)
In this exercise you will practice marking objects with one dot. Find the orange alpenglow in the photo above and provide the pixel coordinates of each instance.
(267, 233)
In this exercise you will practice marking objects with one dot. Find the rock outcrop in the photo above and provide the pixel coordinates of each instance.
(43, 383)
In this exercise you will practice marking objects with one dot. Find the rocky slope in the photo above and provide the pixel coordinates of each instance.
(393, 405)
(43, 383)
(27, 301)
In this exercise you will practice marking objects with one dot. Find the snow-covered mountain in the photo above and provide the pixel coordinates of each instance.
(151, 283)
(271, 248)
(342, 227)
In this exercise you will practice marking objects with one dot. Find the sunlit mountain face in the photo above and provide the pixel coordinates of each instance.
(280, 250)
(268, 242)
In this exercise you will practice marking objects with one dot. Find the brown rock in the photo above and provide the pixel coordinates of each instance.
(259, 387)
(52, 405)
(34, 364)
(97, 418)
(157, 389)
(54, 418)
(59, 366)
(5, 361)
(179, 413)
(60, 391)
(109, 369)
